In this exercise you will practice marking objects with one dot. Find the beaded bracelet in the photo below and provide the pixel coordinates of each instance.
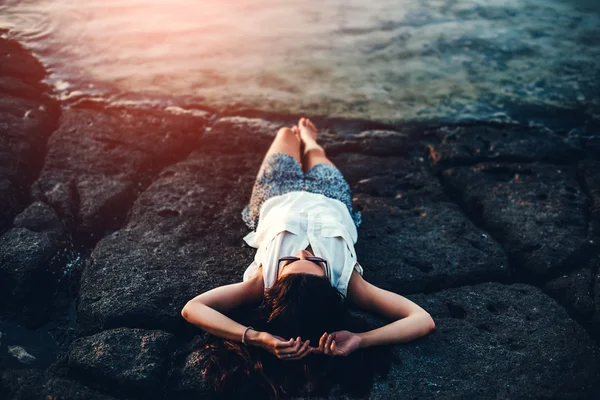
(244, 335)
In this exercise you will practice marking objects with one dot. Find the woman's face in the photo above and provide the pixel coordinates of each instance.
(301, 266)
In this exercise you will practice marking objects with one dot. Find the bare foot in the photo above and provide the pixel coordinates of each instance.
(307, 129)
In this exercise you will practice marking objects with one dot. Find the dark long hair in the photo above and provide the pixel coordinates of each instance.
(302, 305)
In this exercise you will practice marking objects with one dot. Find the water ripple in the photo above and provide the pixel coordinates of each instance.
(388, 60)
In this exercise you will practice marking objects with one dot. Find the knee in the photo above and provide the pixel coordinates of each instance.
(286, 133)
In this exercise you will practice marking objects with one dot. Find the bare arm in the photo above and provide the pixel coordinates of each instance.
(206, 311)
(410, 320)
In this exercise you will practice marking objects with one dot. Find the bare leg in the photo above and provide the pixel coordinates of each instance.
(286, 141)
(313, 153)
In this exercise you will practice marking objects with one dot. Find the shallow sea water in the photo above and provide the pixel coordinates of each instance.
(392, 61)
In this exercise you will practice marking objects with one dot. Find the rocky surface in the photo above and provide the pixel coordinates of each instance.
(27, 272)
(27, 384)
(504, 341)
(27, 117)
(132, 360)
(181, 238)
(492, 229)
(30, 247)
(537, 210)
(98, 161)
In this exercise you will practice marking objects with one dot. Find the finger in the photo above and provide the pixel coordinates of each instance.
(322, 342)
(328, 345)
(291, 353)
(293, 350)
(283, 345)
(303, 352)
(334, 349)
(297, 346)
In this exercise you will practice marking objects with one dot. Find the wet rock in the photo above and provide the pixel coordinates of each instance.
(21, 354)
(412, 238)
(27, 276)
(9, 85)
(66, 389)
(495, 341)
(576, 290)
(27, 117)
(425, 248)
(373, 142)
(186, 377)
(40, 217)
(27, 384)
(467, 145)
(99, 160)
(231, 135)
(235, 135)
(17, 62)
(10, 203)
(537, 211)
(408, 180)
(20, 384)
(590, 173)
(38, 343)
(132, 360)
(183, 236)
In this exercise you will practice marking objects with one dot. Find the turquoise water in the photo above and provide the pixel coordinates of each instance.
(452, 60)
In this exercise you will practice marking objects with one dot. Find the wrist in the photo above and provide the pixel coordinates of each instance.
(253, 337)
(364, 340)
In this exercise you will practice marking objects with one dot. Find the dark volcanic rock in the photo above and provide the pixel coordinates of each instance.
(235, 135)
(495, 341)
(17, 62)
(412, 238)
(27, 274)
(186, 380)
(537, 211)
(28, 384)
(242, 135)
(578, 291)
(66, 389)
(183, 237)
(9, 85)
(405, 179)
(590, 171)
(467, 145)
(40, 217)
(27, 117)
(374, 142)
(10, 203)
(32, 257)
(132, 360)
(425, 248)
(99, 161)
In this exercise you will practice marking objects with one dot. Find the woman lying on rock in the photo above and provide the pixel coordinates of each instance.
(305, 268)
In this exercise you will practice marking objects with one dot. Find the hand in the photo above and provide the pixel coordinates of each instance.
(340, 343)
(290, 350)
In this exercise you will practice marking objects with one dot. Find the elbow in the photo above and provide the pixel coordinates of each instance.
(429, 323)
(185, 311)
(432, 324)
